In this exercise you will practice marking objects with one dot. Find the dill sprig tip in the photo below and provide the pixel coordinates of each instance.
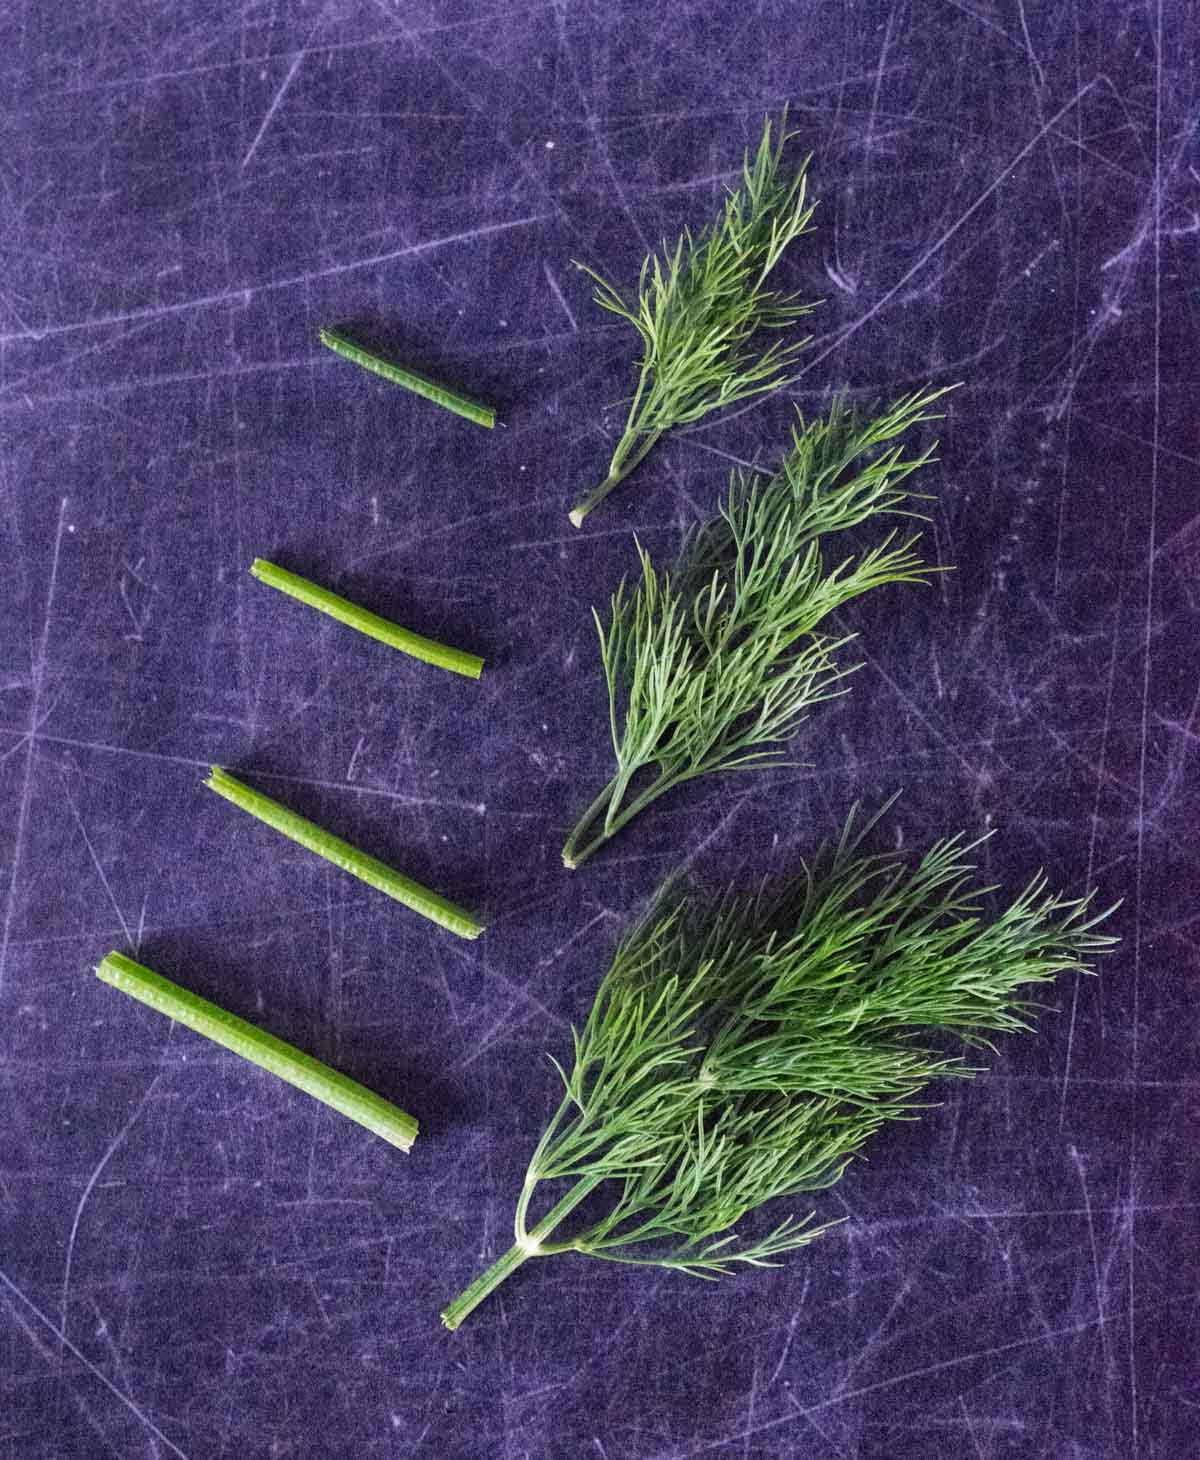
(701, 303)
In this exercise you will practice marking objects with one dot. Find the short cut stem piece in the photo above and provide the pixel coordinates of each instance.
(359, 864)
(339, 1092)
(416, 645)
(431, 390)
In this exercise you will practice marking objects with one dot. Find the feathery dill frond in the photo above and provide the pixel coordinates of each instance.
(699, 305)
(746, 1051)
(713, 666)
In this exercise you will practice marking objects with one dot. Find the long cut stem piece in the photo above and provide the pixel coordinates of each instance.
(432, 390)
(416, 645)
(359, 864)
(339, 1092)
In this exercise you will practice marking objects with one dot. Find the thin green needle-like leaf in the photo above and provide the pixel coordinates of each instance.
(745, 1049)
(416, 645)
(339, 1092)
(359, 864)
(431, 390)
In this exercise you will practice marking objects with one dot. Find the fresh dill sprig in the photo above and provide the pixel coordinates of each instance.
(747, 1051)
(700, 304)
(712, 667)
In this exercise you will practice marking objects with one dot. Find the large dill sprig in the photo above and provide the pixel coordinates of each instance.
(743, 1053)
(699, 304)
(712, 667)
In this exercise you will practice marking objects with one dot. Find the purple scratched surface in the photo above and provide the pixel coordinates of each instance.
(196, 1262)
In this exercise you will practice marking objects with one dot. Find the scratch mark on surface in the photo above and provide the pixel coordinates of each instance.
(1096, 1277)
(1032, 54)
(1091, 861)
(560, 296)
(1148, 642)
(890, 1383)
(971, 1427)
(248, 291)
(791, 1333)
(87, 1363)
(350, 769)
(87, 1191)
(37, 679)
(274, 107)
(750, 1408)
(940, 242)
(87, 841)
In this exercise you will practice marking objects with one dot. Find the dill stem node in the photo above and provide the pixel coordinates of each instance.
(526, 1246)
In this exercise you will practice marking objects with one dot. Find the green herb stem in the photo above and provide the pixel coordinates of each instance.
(339, 1092)
(576, 850)
(382, 629)
(359, 864)
(525, 1247)
(623, 464)
(431, 390)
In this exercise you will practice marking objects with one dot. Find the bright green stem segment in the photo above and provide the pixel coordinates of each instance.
(365, 622)
(440, 395)
(340, 1093)
(521, 1251)
(359, 864)
(624, 462)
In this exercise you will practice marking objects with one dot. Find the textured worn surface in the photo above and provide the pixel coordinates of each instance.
(194, 1261)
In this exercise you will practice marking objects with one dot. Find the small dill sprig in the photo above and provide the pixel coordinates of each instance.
(713, 666)
(746, 1051)
(700, 303)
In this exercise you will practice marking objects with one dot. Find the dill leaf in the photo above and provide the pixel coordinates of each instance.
(743, 1051)
(713, 666)
(699, 305)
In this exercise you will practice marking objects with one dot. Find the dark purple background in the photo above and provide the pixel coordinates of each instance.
(195, 1261)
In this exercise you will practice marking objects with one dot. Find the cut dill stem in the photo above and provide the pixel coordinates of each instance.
(700, 306)
(359, 864)
(745, 1048)
(712, 666)
(431, 390)
(339, 1092)
(415, 645)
